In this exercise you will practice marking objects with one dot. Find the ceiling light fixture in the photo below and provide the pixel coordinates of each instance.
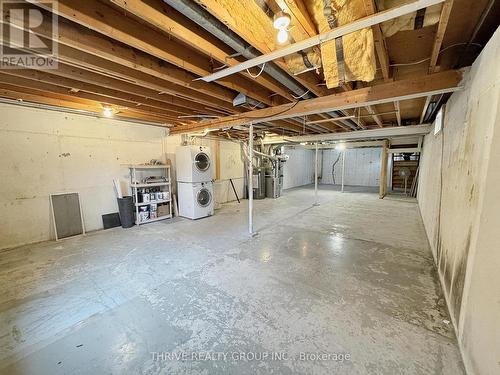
(107, 112)
(282, 36)
(340, 146)
(281, 22)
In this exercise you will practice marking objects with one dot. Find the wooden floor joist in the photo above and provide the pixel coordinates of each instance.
(164, 18)
(444, 82)
(108, 21)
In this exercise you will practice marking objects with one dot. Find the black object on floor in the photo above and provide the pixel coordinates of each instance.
(126, 208)
(111, 220)
(235, 193)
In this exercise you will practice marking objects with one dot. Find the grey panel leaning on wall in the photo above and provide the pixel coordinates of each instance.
(67, 215)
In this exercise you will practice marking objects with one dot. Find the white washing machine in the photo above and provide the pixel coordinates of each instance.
(196, 199)
(193, 164)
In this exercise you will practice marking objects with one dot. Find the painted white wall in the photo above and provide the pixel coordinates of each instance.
(44, 152)
(299, 169)
(459, 201)
(362, 166)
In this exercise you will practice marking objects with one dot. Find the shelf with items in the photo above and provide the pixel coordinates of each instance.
(152, 200)
(157, 202)
(152, 184)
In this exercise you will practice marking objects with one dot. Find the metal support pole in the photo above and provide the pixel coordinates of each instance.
(316, 203)
(250, 179)
(343, 169)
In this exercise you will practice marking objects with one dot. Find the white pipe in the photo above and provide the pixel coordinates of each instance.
(316, 203)
(343, 169)
(250, 179)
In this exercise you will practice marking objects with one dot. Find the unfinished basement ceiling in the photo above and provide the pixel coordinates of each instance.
(142, 59)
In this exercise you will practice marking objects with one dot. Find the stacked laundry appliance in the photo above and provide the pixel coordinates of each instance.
(194, 181)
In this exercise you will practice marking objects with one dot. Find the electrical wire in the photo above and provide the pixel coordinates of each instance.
(257, 76)
(440, 52)
(333, 167)
(301, 96)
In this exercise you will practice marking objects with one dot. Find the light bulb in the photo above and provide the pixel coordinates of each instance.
(340, 146)
(107, 112)
(281, 20)
(282, 36)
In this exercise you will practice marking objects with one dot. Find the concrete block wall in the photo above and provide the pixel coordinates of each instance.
(459, 202)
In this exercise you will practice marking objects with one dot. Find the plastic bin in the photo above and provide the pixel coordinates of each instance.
(126, 210)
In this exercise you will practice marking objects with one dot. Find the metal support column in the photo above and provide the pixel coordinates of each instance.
(250, 179)
(316, 203)
(343, 169)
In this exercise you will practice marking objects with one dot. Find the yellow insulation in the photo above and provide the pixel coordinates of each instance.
(359, 52)
(406, 22)
(247, 19)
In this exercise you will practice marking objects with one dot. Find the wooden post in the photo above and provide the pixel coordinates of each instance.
(383, 170)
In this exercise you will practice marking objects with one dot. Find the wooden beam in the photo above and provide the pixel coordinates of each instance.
(424, 109)
(379, 41)
(330, 119)
(101, 71)
(383, 170)
(309, 80)
(47, 98)
(324, 37)
(398, 112)
(159, 14)
(77, 58)
(93, 43)
(374, 115)
(18, 80)
(56, 77)
(346, 145)
(412, 88)
(395, 133)
(438, 41)
(108, 21)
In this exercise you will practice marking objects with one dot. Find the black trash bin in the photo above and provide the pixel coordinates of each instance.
(126, 209)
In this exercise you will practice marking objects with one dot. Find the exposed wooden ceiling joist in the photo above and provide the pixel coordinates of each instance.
(160, 15)
(444, 82)
(309, 80)
(35, 96)
(326, 36)
(108, 21)
(379, 40)
(438, 41)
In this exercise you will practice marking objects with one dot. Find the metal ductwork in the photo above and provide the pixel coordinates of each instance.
(215, 27)
(200, 16)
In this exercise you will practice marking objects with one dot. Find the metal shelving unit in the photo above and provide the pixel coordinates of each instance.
(136, 170)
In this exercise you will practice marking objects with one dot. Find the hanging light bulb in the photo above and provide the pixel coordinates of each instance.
(107, 112)
(340, 146)
(282, 36)
(281, 20)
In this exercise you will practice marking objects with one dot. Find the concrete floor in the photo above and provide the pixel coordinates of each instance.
(353, 277)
